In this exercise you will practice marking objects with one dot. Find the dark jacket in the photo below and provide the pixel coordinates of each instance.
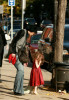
(2, 37)
(18, 46)
(3, 42)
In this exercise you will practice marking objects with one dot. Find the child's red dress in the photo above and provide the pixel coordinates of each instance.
(36, 77)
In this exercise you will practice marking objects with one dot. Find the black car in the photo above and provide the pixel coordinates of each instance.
(30, 23)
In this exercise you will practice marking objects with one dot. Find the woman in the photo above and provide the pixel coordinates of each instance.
(18, 42)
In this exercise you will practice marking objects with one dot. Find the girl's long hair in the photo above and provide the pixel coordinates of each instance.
(39, 56)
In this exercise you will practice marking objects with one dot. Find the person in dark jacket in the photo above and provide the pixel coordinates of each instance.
(18, 42)
(3, 42)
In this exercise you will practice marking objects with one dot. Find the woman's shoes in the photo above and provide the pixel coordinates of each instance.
(19, 94)
(26, 91)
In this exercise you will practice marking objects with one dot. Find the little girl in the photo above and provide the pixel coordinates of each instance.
(36, 77)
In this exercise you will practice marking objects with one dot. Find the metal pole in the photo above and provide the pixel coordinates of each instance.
(11, 23)
(54, 36)
(22, 15)
(23, 12)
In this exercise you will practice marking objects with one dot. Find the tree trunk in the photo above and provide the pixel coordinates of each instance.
(59, 34)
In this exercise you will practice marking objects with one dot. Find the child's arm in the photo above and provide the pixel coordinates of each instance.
(36, 63)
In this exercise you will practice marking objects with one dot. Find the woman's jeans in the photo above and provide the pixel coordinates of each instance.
(18, 84)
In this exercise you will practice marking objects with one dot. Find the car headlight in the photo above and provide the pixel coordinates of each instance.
(41, 25)
(27, 23)
(65, 52)
(35, 23)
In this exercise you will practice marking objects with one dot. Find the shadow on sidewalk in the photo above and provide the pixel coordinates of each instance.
(47, 86)
(63, 98)
(6, 60)
(5, 88)
(12, 95)
(7, 76)
(13, 77)
(6, 80)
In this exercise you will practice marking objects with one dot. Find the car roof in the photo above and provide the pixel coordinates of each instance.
(47, 21)
(49, 26)
(36, 35)
(30, 19)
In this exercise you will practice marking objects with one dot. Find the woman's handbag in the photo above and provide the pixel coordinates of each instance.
(23, 55)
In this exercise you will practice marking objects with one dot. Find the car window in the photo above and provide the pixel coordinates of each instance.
(35, 38)
(31, 20)
(47, 32)
(66, 34)
(14, 27)
(16, 22)
(46, 22)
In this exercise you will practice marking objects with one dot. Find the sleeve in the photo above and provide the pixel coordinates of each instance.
(3, 37)
(1, 44)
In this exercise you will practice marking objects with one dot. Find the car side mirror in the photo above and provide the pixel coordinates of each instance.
(47, 39)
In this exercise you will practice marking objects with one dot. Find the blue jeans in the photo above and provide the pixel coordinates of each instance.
(18, 84)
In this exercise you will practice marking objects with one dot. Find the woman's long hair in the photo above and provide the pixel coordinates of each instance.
(18, 36)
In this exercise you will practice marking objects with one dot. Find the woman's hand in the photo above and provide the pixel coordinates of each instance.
(37, 64)
(31, 33)
(25, 64)
(13, 55)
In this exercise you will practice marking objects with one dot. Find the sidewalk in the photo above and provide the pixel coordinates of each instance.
(8, 75)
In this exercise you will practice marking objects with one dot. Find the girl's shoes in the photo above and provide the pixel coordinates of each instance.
(35, 93)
